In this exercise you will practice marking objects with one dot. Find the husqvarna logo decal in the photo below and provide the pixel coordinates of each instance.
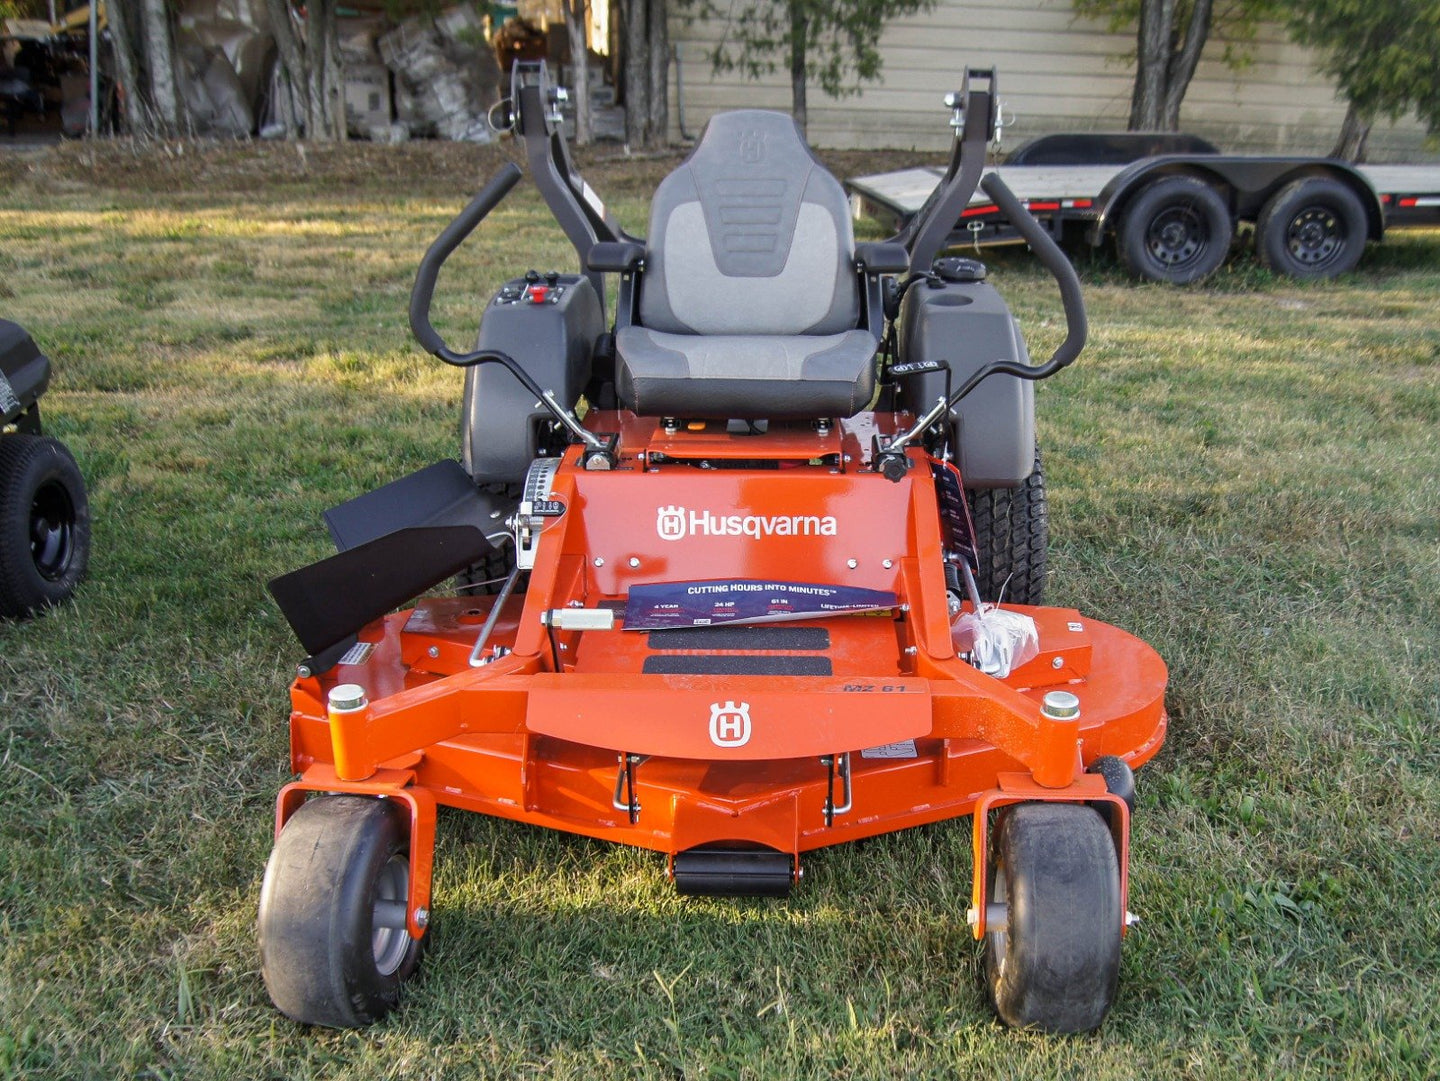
(730, 724)
(752, 147)
(674, 523)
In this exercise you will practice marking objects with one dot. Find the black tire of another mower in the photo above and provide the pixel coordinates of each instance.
(323, 957)
(1012, 533)
(1056, 964)
(1178, 230)
(44, 524)
(1312, 228)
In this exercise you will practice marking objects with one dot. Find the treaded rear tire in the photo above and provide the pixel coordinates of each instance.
(486, 577)
(1012, 535)
(44, 524)
(1056, 965)
(325, 956)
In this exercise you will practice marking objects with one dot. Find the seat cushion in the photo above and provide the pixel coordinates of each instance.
(752, 376)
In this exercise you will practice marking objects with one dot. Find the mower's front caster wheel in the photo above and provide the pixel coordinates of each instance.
(1119, 781)
(1054, 963)
(44, 524)
(334, 949)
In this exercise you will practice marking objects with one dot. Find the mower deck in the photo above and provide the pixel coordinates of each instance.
(783, 737)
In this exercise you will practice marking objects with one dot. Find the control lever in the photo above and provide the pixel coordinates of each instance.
(890, 460)
(599, 453)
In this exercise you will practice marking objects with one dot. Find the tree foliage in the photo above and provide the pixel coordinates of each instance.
(834, 43)
(1384, 55)
(1170, 37)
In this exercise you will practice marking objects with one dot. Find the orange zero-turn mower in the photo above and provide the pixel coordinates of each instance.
(729, 573)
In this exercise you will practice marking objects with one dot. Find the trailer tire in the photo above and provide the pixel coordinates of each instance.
(1177, 230)
(1312, 228)
(44, 524)
(1055, 964)
(1012, 535)
(324, 957)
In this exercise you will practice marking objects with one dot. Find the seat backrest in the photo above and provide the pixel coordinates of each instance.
(750, 235)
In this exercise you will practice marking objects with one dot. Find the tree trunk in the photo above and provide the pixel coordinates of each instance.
(658, 70)
(310, 69)
(334, 75)
(1152, 50)
(122, 40)
(799, 27)
(160, 52)
(1354, 134)
(637, 78)
(292, 65)
(1181, 66)
(575, 12)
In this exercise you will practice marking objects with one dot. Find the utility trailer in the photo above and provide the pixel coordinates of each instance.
(1174, 204)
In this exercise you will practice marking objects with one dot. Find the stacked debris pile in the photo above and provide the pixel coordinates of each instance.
(222, 47)
(446, 76)
(367, 80)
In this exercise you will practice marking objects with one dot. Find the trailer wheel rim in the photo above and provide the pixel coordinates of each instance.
(52, 530)
(1315, 236)
(389, 937)
(1176, 236)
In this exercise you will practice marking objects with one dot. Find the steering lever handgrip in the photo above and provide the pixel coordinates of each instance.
(450, 238)
(1054, 261)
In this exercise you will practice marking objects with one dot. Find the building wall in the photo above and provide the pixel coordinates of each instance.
(1055, 73)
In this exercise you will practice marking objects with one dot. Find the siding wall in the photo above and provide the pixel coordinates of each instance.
(1055, 73)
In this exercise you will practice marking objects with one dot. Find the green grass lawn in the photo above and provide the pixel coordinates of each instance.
(1246, 474)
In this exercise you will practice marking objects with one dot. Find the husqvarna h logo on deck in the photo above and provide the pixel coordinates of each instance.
(670, 523)
(730, 724)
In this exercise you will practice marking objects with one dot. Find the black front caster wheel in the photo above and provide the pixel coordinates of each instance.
(1054, 963)
(44, 524)
(334, 949)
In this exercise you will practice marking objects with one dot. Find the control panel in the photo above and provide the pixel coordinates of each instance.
(534, 289)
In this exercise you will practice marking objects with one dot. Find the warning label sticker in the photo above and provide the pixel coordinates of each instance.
(359, 653)
(704, 604)
(9, 403)
(904, 749)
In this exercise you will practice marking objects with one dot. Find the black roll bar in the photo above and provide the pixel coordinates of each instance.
(974, 112)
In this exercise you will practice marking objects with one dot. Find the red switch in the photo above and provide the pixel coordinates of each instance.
(537, 294)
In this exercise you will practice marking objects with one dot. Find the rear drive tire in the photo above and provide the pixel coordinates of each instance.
(1177, 230)
(44, 524)
(1312, 228)
(1055, 965)
(1012, 533)
(334, 950)
(487, 576)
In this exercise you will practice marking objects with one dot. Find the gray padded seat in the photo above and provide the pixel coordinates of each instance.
(749, 300)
